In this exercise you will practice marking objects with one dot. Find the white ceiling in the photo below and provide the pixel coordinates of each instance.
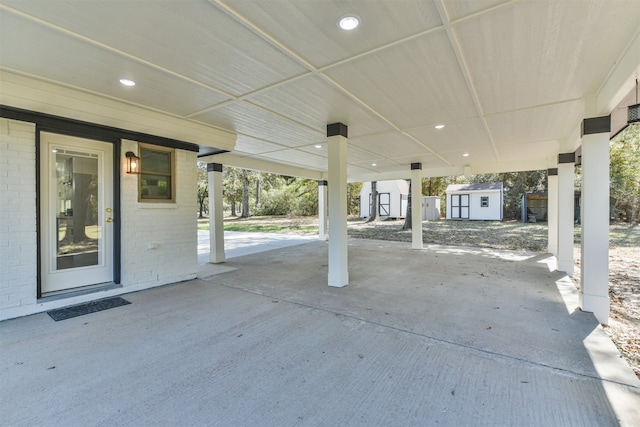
(509, 79)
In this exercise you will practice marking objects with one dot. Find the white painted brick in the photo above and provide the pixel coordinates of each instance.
(17, 214)
(10, 304)
(172, 227)
(13, 167)
(160, 223)
(15, 127)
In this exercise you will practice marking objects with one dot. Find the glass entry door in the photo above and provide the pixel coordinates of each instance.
(76, 212)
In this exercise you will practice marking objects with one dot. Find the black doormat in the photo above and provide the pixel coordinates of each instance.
(90, 307)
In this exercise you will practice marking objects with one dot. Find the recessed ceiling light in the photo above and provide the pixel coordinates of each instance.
(349, 22)
(439, 126)
(465, 154)
(127, 82)
(374, 164)
(318, 146)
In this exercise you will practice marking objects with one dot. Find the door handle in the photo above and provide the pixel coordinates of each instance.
(109, 219)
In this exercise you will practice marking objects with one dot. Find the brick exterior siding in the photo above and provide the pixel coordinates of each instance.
(170, 226)
(18, 259)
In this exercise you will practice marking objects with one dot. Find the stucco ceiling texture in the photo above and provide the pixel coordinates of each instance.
(510, 80)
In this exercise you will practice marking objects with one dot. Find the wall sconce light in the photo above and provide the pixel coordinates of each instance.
(133, 163)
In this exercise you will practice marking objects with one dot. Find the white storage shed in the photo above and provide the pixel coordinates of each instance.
(430, 208)
(475, 201)
(392, 198)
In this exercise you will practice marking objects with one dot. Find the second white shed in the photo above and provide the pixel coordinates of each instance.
(392, 198)
(475, 201)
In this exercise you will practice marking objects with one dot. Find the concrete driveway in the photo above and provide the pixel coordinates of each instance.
(239, 243)
(442, 336)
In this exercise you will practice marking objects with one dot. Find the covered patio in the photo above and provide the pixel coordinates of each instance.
(438, 336)
(419, 89)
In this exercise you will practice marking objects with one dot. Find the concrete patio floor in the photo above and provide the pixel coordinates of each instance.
(444, 336)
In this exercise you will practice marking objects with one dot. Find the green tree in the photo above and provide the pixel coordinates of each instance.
(231, 187)
(353, 198)
(245, 177)
(434, 186)
(203, 189)
(408, 217)
(373, 202)
(305, 195)
(625, 174)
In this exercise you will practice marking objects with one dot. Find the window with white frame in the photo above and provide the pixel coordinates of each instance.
(484, 201)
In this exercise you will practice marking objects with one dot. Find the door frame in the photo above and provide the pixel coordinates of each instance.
(96, 135)
(72, 127)
(459, 206)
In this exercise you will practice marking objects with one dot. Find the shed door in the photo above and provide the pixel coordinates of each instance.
(384, 204)
(460, 206)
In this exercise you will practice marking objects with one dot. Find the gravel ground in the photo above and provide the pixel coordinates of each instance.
(624, 259)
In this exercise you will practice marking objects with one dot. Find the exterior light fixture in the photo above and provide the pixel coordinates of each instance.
(633, 113)
(349, 22)
(133, 163)
(127, 82)
(440, 126)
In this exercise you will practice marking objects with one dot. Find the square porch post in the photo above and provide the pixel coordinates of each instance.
(594, 265)
(338, 247)
(216, 221)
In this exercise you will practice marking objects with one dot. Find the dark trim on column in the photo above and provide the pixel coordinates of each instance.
(72, 127)
(214, 167)
(336, 129)
(552, 172)
(323, 182)
(596, 125)
(416, 166)
(566, 158)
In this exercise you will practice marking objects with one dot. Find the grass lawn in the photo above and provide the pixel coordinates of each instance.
(513, 235)
(270, 224)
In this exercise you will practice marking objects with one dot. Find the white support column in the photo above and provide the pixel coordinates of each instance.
(566, 211)
(216, 221)
(322, 210)
(338, 247)
(416, 205)
(594, 273)
(552, 211)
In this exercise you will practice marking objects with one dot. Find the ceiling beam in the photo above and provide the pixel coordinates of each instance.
(466, 72)
(32, 94)
(246, 162)
(621, 79)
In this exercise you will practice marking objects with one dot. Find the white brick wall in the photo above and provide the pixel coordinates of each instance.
(170, 226)
(18, 245)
